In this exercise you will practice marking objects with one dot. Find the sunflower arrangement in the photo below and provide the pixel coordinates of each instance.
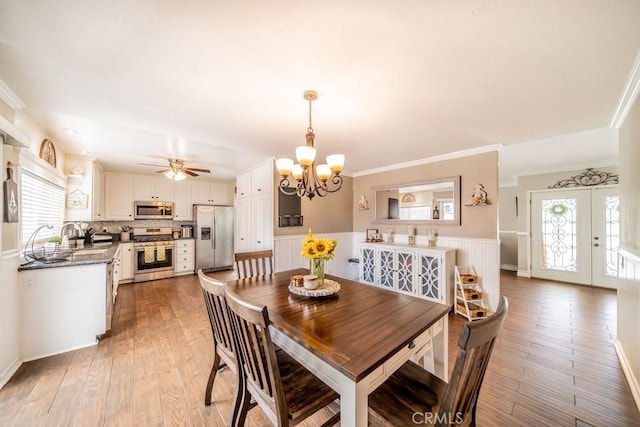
(313, 248)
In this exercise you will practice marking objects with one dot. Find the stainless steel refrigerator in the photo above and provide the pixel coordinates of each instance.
(214, 237)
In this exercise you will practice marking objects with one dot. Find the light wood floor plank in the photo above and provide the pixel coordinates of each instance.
(553, 364)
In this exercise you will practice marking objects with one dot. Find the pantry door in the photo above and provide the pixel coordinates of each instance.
(574, 235)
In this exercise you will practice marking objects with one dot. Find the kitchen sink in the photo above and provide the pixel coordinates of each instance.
(89, 252)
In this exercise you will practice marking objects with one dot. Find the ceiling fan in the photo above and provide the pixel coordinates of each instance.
(177, 171)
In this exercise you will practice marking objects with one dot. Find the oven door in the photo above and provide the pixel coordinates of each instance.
(153, 262)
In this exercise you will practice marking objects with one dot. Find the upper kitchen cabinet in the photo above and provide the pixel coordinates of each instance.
(209, 193)
(182, 207)
(152, 188)
(84, 189)
(118, 197)
(256, 182)
(97, 202)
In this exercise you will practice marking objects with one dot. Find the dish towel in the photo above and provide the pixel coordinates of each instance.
(160, 253)
(149, 254)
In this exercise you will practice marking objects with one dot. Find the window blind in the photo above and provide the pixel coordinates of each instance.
(42, 203)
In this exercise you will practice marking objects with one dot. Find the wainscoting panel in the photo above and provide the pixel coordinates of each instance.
(287, 253)
(627, 346)
(484, 255)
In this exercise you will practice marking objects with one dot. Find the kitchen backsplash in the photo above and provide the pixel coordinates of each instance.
(113, 227)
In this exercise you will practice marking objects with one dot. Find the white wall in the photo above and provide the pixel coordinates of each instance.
(508, 227)
(9, 316)
(628, 334)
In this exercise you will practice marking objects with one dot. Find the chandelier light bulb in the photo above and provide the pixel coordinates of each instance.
(336, 162)
(284, 167)
(305, 155)
(324, 172)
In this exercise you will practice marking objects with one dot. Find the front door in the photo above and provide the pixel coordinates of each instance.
(574, 235)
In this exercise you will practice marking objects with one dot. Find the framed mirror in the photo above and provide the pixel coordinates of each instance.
(429, 202)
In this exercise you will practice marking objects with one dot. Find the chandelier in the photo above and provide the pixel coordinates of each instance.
(310, 180)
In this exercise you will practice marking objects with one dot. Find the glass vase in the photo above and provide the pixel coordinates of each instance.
(317, 268)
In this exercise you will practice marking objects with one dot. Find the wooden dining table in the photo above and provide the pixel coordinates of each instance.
(354, 339)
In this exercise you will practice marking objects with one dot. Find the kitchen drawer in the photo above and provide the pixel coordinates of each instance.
(184, 258)
(184, 243)
(183, 267)
(184, 251)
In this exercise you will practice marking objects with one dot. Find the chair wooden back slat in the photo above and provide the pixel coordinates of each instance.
(213, 293)
(475, 344)
(259, 360)
(252, 264)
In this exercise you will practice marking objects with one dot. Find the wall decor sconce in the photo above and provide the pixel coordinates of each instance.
(478, 197)
(363, 203)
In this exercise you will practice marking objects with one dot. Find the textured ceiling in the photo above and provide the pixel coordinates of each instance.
(220, 83)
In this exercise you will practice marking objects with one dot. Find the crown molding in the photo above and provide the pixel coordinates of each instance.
(10, 98)
(629, 95)
(434, 159)
(571, 167)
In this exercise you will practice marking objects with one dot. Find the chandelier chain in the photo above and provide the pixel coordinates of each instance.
(310, 128)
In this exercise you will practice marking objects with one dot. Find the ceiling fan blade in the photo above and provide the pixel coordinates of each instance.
(164, 170)
(198, 170)
(151, 164)
(188, 172)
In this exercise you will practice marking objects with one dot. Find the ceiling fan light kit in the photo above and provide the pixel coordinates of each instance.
(310, 180)
(177, 171)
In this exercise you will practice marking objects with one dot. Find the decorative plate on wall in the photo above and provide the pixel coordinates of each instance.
(48, 152)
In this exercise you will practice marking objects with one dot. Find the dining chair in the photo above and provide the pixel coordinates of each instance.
(285, 390)
(221, 327)
(413, 395)
(252, 264)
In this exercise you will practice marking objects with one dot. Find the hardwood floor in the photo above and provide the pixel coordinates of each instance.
(553, 364)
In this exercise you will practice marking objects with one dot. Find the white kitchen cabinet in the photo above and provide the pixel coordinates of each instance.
(254, 209)
(262, 180)
(118, 190)
(254, 223)
(126, 262)
(182, 206)
(421, 271)
(209, 193)
(152, 188)
(185, 256)
(256, 182)
(243, 185)
(97, 192)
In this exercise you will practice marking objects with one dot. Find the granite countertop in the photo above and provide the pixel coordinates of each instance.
(77, 257)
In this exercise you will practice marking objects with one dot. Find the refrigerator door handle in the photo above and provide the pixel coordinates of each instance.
(215, 233)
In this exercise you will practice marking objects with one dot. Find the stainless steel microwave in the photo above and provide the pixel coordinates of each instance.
(153, 210)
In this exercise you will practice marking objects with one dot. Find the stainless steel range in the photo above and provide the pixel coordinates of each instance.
(154, 253)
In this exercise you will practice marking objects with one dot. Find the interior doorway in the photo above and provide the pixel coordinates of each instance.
(575, 235)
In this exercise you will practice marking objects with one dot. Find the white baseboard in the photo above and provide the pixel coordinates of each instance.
(628, 373)
(524, 273)
(509, 267)
(8, 373)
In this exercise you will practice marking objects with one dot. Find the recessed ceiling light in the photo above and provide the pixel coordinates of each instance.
(70, 131)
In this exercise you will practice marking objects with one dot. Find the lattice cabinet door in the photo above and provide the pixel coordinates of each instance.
(386, 276)
(405, 262)
(368, 265)
(430, 282)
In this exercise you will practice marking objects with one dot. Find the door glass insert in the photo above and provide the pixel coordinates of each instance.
(612, 234)
(559, 235)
